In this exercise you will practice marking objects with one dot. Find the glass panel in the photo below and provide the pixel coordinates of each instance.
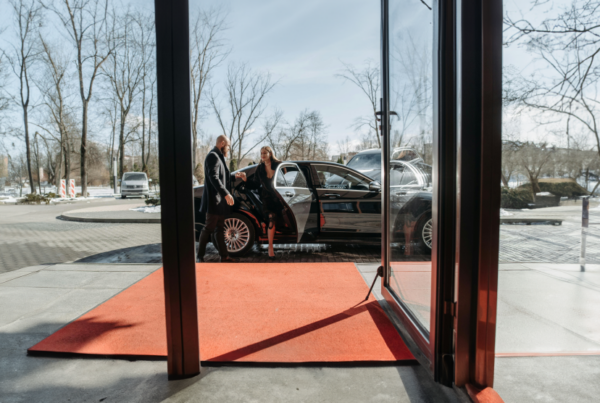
(410, 99)
(294, 178)
(332, 177)
(548, 293)
(280, 180)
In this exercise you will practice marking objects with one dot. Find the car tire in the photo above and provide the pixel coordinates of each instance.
(240, 235)
(424, 234)
(123, 197)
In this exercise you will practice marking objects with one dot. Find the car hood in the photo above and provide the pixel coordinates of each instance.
(127, 182)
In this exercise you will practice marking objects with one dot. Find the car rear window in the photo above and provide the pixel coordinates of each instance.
(365, 161)
(134, 177)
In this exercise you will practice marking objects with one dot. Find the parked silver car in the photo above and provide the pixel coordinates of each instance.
(135, 184)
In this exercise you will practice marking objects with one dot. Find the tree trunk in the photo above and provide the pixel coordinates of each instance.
(144, 162)
(121, 148)
(37, 163)
(535, 188)
(83, 151)
(28, 149)
(504, 181)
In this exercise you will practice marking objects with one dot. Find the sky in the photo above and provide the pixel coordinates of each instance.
(304, 44)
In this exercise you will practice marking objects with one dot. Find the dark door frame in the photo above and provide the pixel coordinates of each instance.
(479, 56)
(437, 344)
(467, 62)
(177, 199)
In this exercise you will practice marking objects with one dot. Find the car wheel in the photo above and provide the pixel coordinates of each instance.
(239, 235)
(123, 197)
(425, 234)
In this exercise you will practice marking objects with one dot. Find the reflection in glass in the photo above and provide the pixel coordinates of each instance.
(410, 158)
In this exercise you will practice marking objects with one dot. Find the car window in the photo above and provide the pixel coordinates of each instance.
(366, 161)
(134, 177)
(333, 177)
(280, 180)
(292, 177)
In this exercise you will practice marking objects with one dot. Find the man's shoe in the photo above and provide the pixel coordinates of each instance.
(200, 260)
(228, 260)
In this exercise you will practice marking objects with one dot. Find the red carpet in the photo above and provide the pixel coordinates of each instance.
(277, 312)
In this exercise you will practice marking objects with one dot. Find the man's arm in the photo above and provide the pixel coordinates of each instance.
(212, 162)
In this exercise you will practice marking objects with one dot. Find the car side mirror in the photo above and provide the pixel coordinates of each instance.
(375, 186)
(149, 180)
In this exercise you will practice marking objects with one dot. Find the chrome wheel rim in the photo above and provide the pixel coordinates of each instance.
(237, 234)
(427, 233)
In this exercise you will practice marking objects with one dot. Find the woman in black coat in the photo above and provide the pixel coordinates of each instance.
(264, 179)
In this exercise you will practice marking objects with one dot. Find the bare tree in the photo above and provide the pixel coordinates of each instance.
(246, 103)
(207, 50)
(302, 140)
(367, 80)
(52, 86)
(412, 94)
(568, 45)
(310, 143)
(533, 159)
(86, 24)
(124, 69)
(4, 81)
(345, 146)
(27, 19)
(510, 161)
(144, 40)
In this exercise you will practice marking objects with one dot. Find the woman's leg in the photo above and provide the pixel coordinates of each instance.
(271, 233)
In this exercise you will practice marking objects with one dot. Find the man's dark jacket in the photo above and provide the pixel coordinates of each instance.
(217, 184)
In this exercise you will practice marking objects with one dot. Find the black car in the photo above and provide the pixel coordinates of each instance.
(325, 203)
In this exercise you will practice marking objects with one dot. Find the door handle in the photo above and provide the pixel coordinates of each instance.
(289, 194)
(331, 195)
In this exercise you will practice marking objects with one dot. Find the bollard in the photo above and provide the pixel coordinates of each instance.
(585, 221)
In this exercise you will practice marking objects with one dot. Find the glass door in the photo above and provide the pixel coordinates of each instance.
(411, 117)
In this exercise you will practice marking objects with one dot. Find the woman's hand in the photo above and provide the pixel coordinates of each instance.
(241, 175)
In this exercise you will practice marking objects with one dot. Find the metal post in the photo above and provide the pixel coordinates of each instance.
(115, 174)
(175, 162)
(585, 221)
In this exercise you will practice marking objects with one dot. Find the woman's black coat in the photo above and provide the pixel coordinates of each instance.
(217, 184)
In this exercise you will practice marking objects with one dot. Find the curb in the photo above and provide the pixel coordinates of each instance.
(110, 220)
(529, 221)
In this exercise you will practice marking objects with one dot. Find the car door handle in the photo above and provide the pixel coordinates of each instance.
(331, 195)
(289, 194)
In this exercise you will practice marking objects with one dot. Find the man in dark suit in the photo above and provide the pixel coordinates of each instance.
(217, 198)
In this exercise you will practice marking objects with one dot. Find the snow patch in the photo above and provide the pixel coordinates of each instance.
(146, 209)
(504, 213)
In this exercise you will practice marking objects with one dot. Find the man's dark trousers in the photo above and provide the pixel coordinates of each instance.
(217, 186)
(213, 221)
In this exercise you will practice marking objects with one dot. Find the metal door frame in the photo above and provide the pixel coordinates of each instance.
(435, 345)
(467, 64)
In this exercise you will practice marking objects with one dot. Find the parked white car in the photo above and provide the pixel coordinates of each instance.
(135, 184)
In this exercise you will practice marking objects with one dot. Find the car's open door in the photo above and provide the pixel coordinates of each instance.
(293, 188)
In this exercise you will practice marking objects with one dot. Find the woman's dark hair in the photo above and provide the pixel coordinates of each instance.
(271, 154)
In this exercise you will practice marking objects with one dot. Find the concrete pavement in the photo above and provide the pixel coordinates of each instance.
(39, 300)
(31, 235)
